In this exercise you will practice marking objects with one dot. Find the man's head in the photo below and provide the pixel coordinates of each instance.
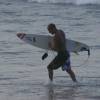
(52, 28)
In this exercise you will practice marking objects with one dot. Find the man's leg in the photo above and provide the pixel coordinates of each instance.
(72, 75)
(50, 73)
(55, 64)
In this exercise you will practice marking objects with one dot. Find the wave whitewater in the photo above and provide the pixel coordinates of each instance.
(77, 2)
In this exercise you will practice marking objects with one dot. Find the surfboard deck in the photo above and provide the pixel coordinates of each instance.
(42, 41)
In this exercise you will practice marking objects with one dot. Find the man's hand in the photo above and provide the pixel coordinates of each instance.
(45, 55)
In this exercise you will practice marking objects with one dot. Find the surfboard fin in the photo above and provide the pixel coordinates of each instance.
(88, 52)
(45, 55)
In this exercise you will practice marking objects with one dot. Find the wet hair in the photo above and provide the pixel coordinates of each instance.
(51, 26)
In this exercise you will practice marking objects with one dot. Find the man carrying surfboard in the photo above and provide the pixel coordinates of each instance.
(63, 57)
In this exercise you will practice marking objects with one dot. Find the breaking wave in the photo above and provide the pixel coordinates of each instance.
(77, 2)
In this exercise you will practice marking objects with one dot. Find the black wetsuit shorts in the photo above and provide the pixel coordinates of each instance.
(59, 60)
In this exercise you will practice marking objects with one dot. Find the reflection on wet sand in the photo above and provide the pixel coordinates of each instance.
(56, 92)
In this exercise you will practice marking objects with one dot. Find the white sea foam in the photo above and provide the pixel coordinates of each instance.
(78, 2)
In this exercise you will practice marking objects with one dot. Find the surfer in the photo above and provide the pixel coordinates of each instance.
(63, 57)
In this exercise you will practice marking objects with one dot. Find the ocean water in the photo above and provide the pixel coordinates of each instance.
(23, 75)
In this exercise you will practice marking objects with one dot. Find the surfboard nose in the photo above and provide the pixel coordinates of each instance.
(21, 35)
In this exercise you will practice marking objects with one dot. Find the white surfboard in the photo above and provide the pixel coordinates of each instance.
(42, 41)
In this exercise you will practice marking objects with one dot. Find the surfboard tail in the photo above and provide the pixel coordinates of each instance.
(86, 49)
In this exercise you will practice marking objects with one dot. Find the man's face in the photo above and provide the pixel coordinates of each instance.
(50, 30)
